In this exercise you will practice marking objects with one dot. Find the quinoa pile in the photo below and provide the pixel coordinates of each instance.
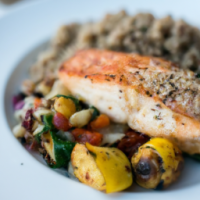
(142, 33)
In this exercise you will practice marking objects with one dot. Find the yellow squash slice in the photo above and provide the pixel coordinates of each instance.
(114, 166)
(85, 168)
(157, 164)
(166, 150)
(65, 106)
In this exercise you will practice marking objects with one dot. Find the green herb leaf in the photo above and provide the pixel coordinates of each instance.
(38, 136)
(62, 151)
(48, 122)
(197, 75)
(95, 114)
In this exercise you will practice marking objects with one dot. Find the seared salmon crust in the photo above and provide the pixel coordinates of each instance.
(150, 94)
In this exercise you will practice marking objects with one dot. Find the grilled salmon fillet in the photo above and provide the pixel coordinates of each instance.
(151, 95)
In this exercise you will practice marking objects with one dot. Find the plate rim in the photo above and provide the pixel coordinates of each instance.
(25, 155)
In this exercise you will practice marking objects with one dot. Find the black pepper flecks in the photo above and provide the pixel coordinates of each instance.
(171, 76)
(158, 105)
(177, 87)
(112, 76)
(172, 84)
(137, 72)
(158, 117)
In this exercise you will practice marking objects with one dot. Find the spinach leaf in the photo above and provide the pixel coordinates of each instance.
(38, 136)
(95, 114)
(197, 75)
(62, 151)
(48, 125)
(48, 121)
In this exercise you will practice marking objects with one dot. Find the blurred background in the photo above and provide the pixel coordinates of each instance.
(6, 5)
(8, 1)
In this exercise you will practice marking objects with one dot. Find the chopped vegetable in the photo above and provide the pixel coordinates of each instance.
(95, 113)
(44, 87)
(49, 145)
(19, 105)
(60, 122)
(34, 146)
(40, 112)
(29, 101)
(100, 122)
(48, 125)
(157, 164)
(82, 136)
(37, 102)
(49, 128)
(27, 87)
(81, 118)
(28, 121)
(111, 138)
(131, 142)
(58, 150)
(85, 168)
(66, 136)
(65, 106)
(58, 88)
(35, 125)
(17, 98)
(20, 115)
(114, 166)
(39, 129)
(19, 131)
(76, 101)
(48, 121)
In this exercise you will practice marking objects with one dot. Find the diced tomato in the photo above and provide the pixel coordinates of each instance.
(37, 102)
(60, 122)
(100, 122)
(82, 136)
(131, 142)
(27, 123)
(34, 146)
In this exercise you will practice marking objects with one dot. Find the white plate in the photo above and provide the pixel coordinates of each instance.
(23, 33)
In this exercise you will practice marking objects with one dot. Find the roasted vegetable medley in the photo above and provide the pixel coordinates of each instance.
(75, 136)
